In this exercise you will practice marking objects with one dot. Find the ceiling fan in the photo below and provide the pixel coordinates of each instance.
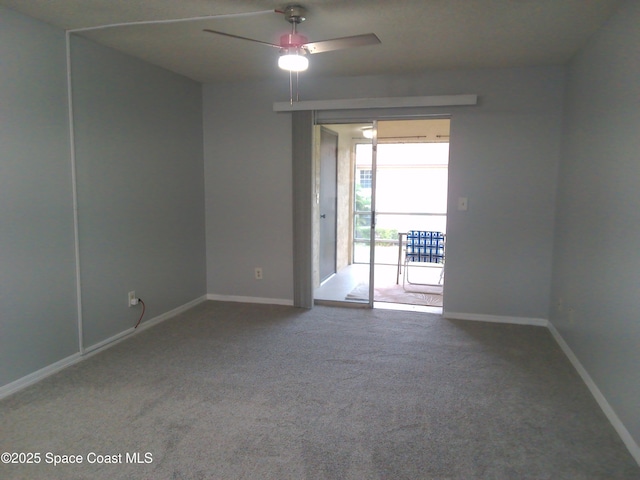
(294, 46)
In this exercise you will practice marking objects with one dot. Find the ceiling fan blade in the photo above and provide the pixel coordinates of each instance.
(241, 38)
(343, 42)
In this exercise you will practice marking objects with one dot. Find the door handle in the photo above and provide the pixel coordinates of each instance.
(323, 216)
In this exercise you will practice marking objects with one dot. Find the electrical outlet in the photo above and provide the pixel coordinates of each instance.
(258, 273)
(133, 300)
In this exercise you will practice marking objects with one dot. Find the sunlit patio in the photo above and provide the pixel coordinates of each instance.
(350, 284)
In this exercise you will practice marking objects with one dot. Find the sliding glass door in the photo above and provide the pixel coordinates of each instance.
(391, 178)
(364, 208)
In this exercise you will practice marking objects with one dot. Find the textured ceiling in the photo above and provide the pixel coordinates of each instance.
(416, 35)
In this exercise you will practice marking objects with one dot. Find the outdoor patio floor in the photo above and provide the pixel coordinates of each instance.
(337, 287)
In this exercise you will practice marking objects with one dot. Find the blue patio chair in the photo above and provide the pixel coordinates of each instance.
(426, 249)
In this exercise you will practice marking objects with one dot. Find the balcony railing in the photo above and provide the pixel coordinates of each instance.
(388, 225)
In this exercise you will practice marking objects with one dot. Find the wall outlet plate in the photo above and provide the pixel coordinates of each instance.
(133, 300)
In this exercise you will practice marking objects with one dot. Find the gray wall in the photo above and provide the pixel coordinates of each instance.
(140, 194)
(504, 156)
(138, 135)
(38, 323)
(248, 192)
(597, 265)
(142, 202)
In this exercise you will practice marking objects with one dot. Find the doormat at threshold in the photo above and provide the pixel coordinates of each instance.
(427, 295)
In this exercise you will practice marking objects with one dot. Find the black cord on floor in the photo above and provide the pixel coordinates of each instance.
(144, 307)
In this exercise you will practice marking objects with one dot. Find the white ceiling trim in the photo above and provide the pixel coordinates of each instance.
(171, 20)
(384, 102)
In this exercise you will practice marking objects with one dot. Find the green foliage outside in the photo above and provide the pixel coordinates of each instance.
(363, 199)
(363, 204)
(386, 234)
(363, 220)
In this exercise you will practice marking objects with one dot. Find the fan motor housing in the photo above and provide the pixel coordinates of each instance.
(295, 13)
(293, 40)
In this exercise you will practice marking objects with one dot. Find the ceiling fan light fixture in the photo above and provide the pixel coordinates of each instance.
(293, 59)
(294, 47)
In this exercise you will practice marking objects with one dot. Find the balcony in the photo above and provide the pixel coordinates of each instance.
(351, 283)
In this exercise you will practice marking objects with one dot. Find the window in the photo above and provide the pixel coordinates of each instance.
(365, 178)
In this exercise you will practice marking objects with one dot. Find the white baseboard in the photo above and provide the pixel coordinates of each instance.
(478, 317)
(240, 299)
(41, 374)
(143, 326)
(610, 413)
(17, 385)
(617, 424)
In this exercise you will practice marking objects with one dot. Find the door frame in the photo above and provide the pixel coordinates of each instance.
(372, 233)
(304, 193)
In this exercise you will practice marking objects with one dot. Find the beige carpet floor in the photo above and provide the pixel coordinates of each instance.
(232, 391)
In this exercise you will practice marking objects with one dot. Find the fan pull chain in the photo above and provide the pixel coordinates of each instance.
(290, 87)
(297, 89)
